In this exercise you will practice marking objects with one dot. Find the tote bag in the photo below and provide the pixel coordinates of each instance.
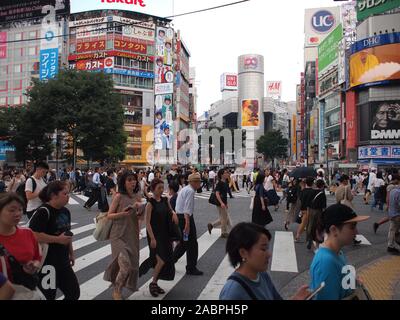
(103, 227)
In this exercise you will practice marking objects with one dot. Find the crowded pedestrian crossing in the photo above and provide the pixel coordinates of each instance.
(92, 257)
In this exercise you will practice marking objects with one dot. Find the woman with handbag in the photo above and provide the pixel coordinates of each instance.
(51, 224)
(261, 214)
(19, 250)
(160, 220)
(339, 223)
(125, 210)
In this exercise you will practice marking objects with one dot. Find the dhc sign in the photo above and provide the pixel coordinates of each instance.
(323, 21)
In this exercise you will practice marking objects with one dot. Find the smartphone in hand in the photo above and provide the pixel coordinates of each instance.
(315, 292)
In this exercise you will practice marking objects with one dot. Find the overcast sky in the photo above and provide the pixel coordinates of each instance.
(273, 28)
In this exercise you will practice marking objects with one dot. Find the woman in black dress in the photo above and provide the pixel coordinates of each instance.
(261, 214)
(158, 216)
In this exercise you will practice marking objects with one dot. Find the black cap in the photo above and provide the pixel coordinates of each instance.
(339, 214)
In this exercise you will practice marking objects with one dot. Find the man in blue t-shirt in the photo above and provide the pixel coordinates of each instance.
(329, 264)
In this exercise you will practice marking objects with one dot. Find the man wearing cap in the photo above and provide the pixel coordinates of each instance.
(339, 222)
(394, 215)
(185, 210)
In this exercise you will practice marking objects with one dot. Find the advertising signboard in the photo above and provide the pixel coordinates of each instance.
(164, 87)
(383, 122)
(138, 32)
(229, 81)
(3, 45)
(91, 65)
(379, 152)
(366, 8)
(91, 31)
(250, 114)
(134, 73)
(12, 10)
(375, 60)
(274, 89)
(328, 50)
(4, 147)
(157, 8)
(132, 46)
(318, 23)
(97, 45)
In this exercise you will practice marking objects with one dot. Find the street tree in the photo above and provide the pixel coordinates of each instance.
(85, 106)
(272, 145)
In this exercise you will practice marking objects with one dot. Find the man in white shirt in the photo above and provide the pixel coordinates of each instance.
(211, 178)
(185, 209)
(151, 176)
(370, 187)
(270, 184)
(33, 186)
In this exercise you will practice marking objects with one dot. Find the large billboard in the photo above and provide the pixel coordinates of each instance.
(376, 65)
(380, 122)
(12, 10)
(366, 8)
(158, 8)
(328, 50)
(250, 114)
(164, 131)
(318, 23)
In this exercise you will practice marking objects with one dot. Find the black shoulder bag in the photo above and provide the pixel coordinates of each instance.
(245, 286)
(19, 276)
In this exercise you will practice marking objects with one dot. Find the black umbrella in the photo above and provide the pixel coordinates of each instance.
(303, 172)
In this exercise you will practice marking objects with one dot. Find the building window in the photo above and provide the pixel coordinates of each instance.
(17, 85)
(17, 100)
(17, 68)
(147, 112)
(3, 70)
(32, 35)
(3, 85)
(32, 51)
(3, 101)
(18, 36)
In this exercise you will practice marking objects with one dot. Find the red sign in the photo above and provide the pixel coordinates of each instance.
(351, 115)
(90, 64)
(231, 81)
(3, 45)
(113, 53)
(130, 46)
(90, 46)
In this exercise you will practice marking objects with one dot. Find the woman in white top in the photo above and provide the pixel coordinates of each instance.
(379, 194)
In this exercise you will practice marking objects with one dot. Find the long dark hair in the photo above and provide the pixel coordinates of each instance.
(122, 180)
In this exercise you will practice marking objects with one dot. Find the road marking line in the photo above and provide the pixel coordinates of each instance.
(217, 282)
(72, 201)
(82, 197)
(363, 240)
(284, 254)
(80, 230)
(205, 242)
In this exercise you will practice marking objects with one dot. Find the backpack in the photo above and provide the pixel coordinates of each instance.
(21, 191)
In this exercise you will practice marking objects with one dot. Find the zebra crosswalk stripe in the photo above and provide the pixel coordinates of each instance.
(217, 282)
(205, 242)
(284, 254)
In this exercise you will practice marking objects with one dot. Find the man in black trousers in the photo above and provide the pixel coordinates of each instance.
(184, 210)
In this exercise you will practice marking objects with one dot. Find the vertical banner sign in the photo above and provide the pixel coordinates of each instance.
(3, 45)
(164, 130)
(49, 45)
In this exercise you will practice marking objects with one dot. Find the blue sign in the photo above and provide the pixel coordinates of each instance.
(323, 21)
(375, 41)
(4, 147)
(135, 73)
(48, 63)
(379, 152)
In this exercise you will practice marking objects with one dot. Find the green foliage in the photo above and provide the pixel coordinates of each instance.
(82, 104)
(272, 145)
